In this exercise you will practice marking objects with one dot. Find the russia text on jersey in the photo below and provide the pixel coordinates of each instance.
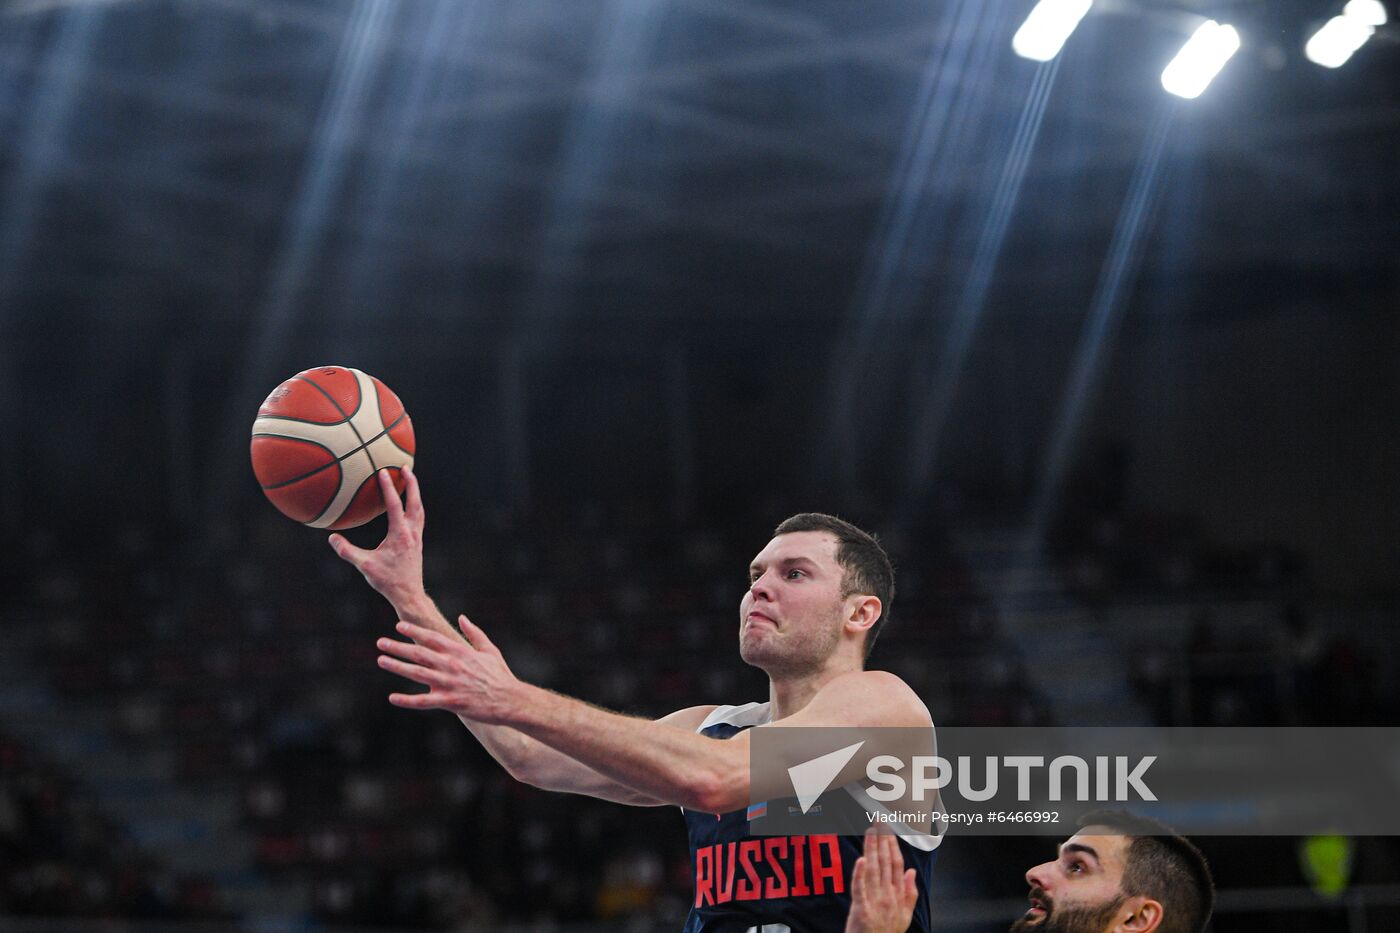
(772, 867)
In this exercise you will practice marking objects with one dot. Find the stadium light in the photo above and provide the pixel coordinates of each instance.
(1341, 36)
(1200, 59)
(1045, 30)
(1370, 12)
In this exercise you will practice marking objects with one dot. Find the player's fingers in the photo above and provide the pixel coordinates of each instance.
(347, 551)
(858, 878)
(413, 497)
(408, 651)
(425, 636)
(415, 700)
(475, 636)
(392, 506)
(872, 854)
(911, 889)
(465, 625)
(419, 675)
(894, 860)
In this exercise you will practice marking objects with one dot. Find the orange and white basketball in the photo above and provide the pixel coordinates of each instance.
(318, 441)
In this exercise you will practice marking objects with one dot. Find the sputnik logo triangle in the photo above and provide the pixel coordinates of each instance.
(811, 778)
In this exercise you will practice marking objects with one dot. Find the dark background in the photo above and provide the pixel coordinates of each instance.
(1112, 374)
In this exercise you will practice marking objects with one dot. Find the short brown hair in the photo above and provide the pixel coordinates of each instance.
(1164, 866)
(865, 565)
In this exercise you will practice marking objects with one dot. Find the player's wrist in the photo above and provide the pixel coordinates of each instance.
(414, 605)
(528, 707)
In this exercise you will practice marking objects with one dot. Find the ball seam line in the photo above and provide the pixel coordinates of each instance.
(349, 453)
(350, 416)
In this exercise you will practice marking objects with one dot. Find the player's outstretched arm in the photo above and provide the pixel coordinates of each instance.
(471, 678)
(694, 771)
(676, 766)
(461, 673)
(883, 892)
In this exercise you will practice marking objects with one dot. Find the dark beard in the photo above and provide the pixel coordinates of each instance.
(1070, 919)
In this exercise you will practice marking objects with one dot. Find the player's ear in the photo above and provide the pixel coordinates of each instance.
(864, 611)
(1144, 915)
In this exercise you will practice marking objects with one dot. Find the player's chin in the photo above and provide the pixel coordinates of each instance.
(756, 647)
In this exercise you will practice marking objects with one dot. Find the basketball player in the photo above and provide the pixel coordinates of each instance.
(817, 594)
(1119, 874)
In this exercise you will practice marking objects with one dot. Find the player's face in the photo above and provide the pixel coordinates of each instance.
(1080, 891)
(790, 617)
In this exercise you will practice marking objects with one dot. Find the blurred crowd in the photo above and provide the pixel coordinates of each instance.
(251, 656)
(60, 856)
(1217, 635)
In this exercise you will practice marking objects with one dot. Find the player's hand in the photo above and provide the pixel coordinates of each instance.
(469, 678)
(883, 893)
(395, 568)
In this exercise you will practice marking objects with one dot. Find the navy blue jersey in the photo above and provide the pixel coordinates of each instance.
(773, 884)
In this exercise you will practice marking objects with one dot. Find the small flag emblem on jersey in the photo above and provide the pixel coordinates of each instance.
(758, 809)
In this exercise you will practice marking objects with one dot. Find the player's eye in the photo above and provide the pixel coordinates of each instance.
(1076, 867)
(793, 574)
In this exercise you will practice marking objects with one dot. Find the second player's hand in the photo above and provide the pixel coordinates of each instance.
(883, 892)
(395, 568)
(469, 678)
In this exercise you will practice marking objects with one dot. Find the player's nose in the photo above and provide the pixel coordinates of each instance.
(760, 587)
(1038, 876)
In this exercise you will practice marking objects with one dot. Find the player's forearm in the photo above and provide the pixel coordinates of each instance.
(512, 750)
(520, 755)
(532, 762)
(669, 764)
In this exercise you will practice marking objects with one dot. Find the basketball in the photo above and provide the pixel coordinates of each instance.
(318, 441)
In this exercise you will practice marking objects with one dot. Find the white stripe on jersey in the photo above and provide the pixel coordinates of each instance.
(750, 714)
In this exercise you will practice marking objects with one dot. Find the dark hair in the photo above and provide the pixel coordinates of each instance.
(1164, 866)
(865, 565)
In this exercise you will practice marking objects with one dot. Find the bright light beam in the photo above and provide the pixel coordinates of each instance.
(448, 25)
(1047, 28)
(1200, 59)
(595, 131)
(40, 151)
(328, 161)
(1341, 36)
(938, 399)
(956, 76)
(1096, 342)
